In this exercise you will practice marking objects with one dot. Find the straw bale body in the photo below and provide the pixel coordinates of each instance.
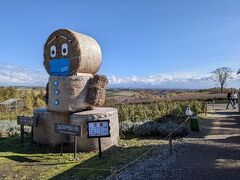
(68, 93)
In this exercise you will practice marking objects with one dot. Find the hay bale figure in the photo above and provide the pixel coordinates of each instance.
(72, 61)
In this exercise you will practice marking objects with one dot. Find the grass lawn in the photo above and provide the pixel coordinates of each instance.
(39, 162)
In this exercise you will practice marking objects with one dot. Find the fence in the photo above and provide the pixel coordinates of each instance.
(207, 103)
(169, 136)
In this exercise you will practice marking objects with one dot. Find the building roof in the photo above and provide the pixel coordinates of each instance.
(9, 101)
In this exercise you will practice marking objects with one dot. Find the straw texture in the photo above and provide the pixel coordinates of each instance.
(83, 51)
(72, 93)
(97, 90)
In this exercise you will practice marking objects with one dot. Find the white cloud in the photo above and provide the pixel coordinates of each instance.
(177, 80)
(23, 76)
(160, 78)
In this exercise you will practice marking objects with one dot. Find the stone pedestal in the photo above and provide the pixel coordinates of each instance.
(68, 93)
(44, 133)
(88, 144)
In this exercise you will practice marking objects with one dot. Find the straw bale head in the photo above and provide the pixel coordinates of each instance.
(67, 53)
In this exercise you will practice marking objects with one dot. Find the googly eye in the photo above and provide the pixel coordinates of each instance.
(53, 51)
(64, 49)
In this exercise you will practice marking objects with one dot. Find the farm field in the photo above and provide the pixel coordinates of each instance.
(128, 96)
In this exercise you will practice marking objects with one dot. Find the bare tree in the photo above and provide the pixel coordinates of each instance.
(221, 76)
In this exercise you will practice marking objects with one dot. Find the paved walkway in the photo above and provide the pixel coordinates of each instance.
(212, 153)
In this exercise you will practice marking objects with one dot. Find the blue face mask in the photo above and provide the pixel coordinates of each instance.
(60, 67)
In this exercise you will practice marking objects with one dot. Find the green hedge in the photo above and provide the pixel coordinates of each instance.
(157, 111)
(12, 115)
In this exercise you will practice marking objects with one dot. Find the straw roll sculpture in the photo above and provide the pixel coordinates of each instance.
(72, 52)
(74, 91)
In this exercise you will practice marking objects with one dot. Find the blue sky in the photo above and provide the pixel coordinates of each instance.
(144, 42)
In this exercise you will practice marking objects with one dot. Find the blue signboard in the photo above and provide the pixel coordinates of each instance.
(59, 67)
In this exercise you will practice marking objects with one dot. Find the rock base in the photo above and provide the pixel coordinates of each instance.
(44, 133)
(89, 144)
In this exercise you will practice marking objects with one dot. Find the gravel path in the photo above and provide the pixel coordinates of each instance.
(212, 153)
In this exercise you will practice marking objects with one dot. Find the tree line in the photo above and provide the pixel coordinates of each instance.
(32, 98)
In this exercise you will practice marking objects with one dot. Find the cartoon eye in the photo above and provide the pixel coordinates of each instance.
(53, 51)
(64, 49)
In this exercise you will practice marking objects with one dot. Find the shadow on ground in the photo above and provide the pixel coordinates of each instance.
(39, 157)
(20, 159)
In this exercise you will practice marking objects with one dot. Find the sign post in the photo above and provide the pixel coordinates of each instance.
(99, 148)
(26, 121)
(75, 146)
(61, 144)
(73, 130)
(99, 129)
(22, 134)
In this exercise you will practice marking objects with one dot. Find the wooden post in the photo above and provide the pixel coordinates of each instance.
(16, 107)
(170, 143)
(61, 144)
(206, 108)
(31, 136)
(22, 134)
(100, 148)
(75, 147)
(114, 172)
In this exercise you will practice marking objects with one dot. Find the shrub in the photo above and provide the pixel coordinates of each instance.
(126, 127)
(157, 111)
(151, 128)
(12, 115)
(11, 128)
(29, 103)
(39, 103)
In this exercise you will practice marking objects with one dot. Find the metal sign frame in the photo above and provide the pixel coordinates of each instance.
(69, 132)
(27, 121)
(73, 132)
(98, 121)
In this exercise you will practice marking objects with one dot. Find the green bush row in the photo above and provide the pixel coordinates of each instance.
(152, 128)
(12, 115)
(157, 111)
